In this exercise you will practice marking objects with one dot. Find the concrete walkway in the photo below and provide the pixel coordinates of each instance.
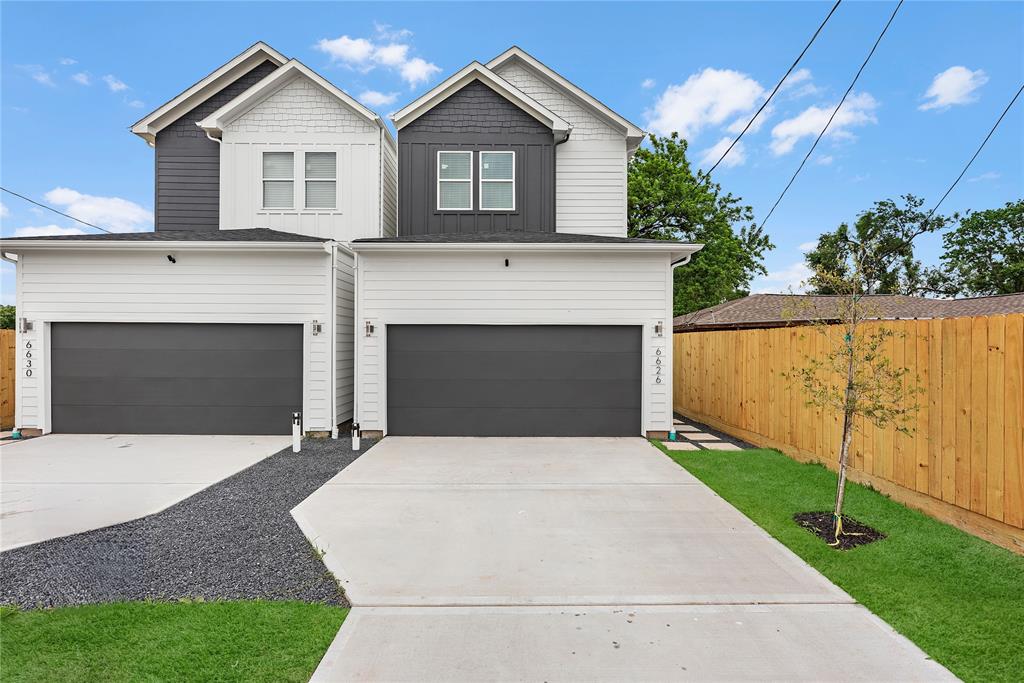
(573, 559)
(63, 484)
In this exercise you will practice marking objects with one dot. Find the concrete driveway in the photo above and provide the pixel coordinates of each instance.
(63, 484)
(573, 559)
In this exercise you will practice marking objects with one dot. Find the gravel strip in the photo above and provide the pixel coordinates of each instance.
(233, 540)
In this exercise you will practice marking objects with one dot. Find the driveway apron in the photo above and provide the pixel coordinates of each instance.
(573, 559)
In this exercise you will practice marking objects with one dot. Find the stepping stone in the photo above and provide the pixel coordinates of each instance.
(700, 436)
(686, 428)
(721, 446)
(680, 446)
(677, 421)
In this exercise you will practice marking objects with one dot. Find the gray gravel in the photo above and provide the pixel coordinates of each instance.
(234, 540)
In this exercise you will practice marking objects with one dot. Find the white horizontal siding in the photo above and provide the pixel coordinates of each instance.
(535, 289)
(143, 286)
(590, 187)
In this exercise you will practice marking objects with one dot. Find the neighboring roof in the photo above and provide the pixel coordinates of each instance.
(633, 132)
(149, 125)
(476, 71)
(274, 81)
(778, 310)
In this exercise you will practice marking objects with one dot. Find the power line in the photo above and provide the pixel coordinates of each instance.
(50, 208)
(836, 111)
(777, 86)
(976, 153)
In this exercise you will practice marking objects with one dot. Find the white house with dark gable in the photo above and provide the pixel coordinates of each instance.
(238, 309)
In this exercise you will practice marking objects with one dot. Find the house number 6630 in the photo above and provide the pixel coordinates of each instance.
(28, 359)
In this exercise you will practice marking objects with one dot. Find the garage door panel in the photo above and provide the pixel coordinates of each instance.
(171, 419)
(439, 365)
(170, 362)
(175, 378)
(514, 380)
(522, 393)
(519, 422)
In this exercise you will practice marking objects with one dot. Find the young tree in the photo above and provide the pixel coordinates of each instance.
(984, 254)
(882, 240)
(854, 377)
(668, 201)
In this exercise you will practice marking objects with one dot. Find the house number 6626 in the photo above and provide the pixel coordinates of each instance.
(28, 359)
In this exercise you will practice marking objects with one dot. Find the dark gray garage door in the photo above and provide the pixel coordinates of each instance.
(175, 378)
(529, 380)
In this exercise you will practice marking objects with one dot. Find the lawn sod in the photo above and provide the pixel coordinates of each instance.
(151, 641)
(959, 598)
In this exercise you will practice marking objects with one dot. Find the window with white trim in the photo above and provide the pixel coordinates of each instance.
(321, 180)
(278, 180)
(497, 181)
(455, 181)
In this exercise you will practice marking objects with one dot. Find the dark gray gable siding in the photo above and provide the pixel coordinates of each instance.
(475, 118)
(188, 163)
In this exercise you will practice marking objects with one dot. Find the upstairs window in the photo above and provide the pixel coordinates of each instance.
(497, 181)
(455, 181)
(278, 180)
(321, 180)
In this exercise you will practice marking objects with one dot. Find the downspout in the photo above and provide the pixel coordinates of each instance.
(355, 348)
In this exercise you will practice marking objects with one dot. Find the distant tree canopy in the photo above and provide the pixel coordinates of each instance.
(983, 255)
(668, 201)
(7, 315)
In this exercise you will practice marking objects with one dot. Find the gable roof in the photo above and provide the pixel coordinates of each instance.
(633, 133)
(770, 310)
(475, 71)
(152, 123)
(291, 70)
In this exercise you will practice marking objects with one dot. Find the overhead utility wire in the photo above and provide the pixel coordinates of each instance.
(836, 111)
(777, 86)
(976, 153)
(50, 208)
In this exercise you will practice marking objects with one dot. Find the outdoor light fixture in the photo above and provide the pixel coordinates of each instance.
(24, 325)
(659, 328)
(369, 328)
(170, 257)
(317, 327)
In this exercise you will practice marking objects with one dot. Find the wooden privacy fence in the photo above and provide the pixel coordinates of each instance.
(965, 462)
(6, 379)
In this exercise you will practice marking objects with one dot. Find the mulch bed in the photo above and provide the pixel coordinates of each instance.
(235, 540)
(854, 533)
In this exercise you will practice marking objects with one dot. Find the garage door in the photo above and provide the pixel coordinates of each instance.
(175, 378)
(515, 380)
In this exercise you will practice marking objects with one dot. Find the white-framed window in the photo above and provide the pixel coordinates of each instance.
(498, 181)
(321, 180)
(455, 181)
(278, 180)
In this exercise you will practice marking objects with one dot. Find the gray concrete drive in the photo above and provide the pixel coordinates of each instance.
(572, 559)
(63, 484)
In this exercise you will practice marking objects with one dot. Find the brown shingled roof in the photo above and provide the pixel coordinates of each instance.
(770, 310)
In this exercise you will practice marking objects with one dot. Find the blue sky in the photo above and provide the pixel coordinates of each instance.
(75, 76)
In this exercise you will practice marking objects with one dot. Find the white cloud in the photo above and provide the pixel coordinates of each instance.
(737, 155)
(38, 74)
(135, 104)
(364, 54)
(648, 83)
(808, 246)
(4, 211)
(67, 61)
(417, 71)
(374, 98)
(114, 83)
(824, 160)
(112, 213)
(955, 85)
(82, 78)
(706, 98)
(858, 110)
(987, 175)
(791, 278)
(737, 126)
(799, 84)
(46, 231)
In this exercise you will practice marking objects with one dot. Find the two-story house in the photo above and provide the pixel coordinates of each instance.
(238, 308)
(511, 302)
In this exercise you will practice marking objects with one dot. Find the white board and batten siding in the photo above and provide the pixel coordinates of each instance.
(202, 287)
(302, 117)
(590, 167)
(476, 288)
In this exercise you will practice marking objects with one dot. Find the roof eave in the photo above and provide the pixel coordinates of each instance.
(675, 250)
(15, 247)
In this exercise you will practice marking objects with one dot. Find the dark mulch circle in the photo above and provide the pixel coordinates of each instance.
(854, 533)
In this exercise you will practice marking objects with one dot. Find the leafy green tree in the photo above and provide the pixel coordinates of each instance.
(984, 254)
(669, 201)
(7, 315)
(882, 241)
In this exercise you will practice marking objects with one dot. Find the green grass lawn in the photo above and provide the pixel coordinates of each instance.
(148, 641)
(961, 599)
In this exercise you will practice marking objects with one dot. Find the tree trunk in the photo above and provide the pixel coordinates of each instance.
(849, 409)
